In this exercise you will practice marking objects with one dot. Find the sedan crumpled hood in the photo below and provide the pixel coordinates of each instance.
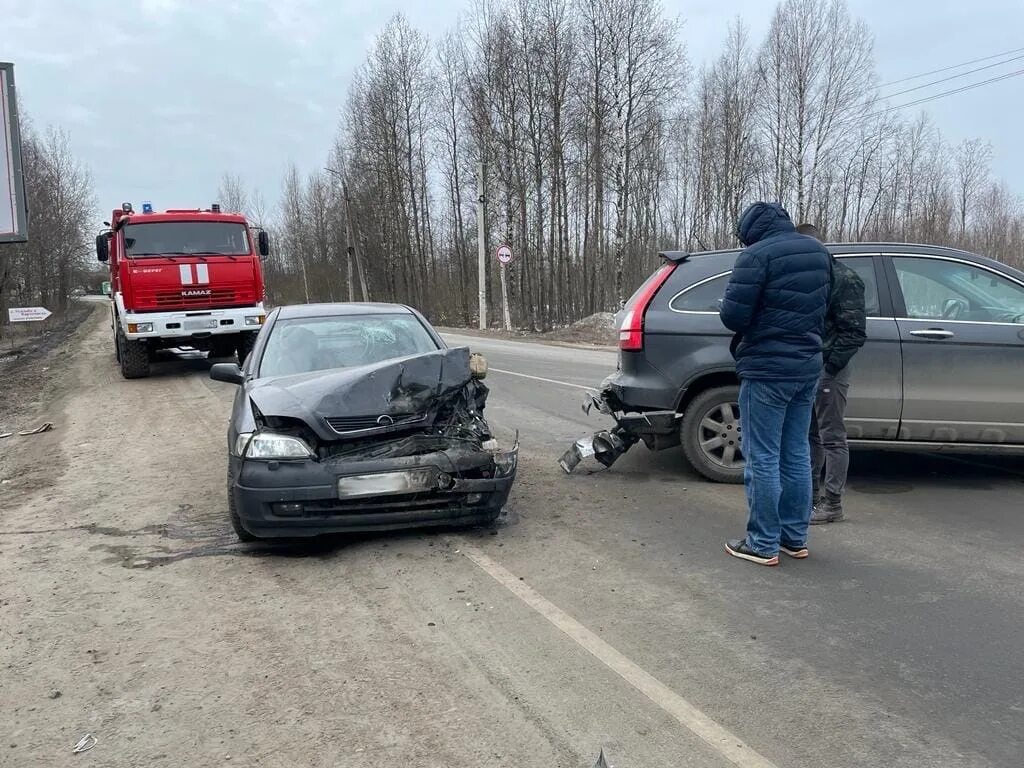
(419, 384)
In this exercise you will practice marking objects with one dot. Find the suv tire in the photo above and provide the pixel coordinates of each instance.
(712, 453)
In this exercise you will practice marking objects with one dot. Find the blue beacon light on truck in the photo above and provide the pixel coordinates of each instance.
(147, 207)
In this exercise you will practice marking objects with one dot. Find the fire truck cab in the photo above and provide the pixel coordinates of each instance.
(182, 279)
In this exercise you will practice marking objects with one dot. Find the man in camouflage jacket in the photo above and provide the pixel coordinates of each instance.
(845, 323)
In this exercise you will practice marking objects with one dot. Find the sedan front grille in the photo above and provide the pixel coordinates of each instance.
(347, 425)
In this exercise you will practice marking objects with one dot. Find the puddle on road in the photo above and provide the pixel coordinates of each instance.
(209, 534)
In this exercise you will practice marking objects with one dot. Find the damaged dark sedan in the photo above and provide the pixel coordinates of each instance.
(358, 417)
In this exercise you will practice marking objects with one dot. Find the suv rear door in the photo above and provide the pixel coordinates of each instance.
(961, 327)
(876, 386)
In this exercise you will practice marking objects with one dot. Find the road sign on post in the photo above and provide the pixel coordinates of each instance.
(27, 314)
(504, 255)
(13, 208)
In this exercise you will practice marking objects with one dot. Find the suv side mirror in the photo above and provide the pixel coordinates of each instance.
(263, 242)
(229, 373)
(102, 248)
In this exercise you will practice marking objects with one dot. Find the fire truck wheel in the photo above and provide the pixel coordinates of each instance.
(236, 522)
(222, 348)
(245, 345)
(134, 358)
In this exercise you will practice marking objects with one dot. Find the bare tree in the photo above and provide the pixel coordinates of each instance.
(598, 154)
(232, 195)
(972, 169)
(60, 199)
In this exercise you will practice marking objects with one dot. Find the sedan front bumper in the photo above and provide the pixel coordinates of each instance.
(309, 498)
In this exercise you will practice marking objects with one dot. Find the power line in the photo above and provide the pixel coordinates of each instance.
(943, 94)
(951, 77)
(952, 66)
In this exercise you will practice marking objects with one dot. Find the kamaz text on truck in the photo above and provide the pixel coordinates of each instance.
(182, 278)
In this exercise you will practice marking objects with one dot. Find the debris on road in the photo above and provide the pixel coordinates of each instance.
(605, 447)
(601, 762)
(5, 434)
(84, 744)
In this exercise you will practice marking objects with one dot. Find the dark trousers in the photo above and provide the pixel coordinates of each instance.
(830, 454)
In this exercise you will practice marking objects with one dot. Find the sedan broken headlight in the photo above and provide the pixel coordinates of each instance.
(267, 445)
(505, 462)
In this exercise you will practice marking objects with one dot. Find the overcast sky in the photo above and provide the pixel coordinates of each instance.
(161, 97)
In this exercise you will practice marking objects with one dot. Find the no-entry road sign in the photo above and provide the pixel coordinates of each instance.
(27, 314)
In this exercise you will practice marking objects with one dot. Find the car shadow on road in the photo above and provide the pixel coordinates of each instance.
(184, 363)
(223, 543)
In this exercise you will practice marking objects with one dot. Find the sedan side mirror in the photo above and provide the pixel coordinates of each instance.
(229, 373)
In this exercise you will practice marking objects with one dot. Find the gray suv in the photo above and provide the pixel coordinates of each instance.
(942, 368)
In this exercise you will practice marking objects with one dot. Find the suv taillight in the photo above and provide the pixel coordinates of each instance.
(631, 332)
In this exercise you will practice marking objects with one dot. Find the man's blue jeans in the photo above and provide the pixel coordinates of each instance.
(776, 416)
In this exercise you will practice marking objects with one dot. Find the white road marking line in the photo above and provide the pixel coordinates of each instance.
(541, 378)
(719, 738)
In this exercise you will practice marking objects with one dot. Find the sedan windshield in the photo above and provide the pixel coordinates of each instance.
(307, 344)
(211, 238)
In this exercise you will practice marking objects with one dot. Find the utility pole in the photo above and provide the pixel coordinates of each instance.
(481, 244)
(350, 248)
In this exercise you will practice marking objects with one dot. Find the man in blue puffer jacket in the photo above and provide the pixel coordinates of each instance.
(775, 303)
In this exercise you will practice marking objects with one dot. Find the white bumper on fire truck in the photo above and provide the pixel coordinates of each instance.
(186, 324)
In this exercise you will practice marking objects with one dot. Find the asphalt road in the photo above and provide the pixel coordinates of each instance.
(604, 613)
(898, 642)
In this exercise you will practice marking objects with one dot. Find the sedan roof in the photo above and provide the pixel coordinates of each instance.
(338, 309)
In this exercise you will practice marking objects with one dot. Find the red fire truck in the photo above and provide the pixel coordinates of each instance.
(182, 279)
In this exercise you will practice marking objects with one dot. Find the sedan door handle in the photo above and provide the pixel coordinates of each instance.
(933, 333)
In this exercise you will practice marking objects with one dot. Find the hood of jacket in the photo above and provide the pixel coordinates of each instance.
(762, 220)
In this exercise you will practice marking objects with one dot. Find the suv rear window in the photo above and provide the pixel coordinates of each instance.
(703, 296)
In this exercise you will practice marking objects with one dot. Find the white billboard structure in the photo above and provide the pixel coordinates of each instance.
(13, 209)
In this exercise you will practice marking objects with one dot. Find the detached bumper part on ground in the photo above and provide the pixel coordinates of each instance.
(656, 429)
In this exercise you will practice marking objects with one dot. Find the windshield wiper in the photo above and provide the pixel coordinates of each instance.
(166, 255)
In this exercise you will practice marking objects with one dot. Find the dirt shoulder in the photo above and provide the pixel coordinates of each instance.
(35, 384)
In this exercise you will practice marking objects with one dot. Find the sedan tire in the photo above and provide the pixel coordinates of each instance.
(236, 522)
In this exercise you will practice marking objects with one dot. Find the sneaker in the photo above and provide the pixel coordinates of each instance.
(738, 548)
(796, 551)
(827, 512)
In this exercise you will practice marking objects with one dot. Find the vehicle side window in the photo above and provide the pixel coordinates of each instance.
(865, 268)
(939, 289)
(703, 296)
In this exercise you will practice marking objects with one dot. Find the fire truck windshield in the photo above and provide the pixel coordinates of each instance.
(205, 238)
